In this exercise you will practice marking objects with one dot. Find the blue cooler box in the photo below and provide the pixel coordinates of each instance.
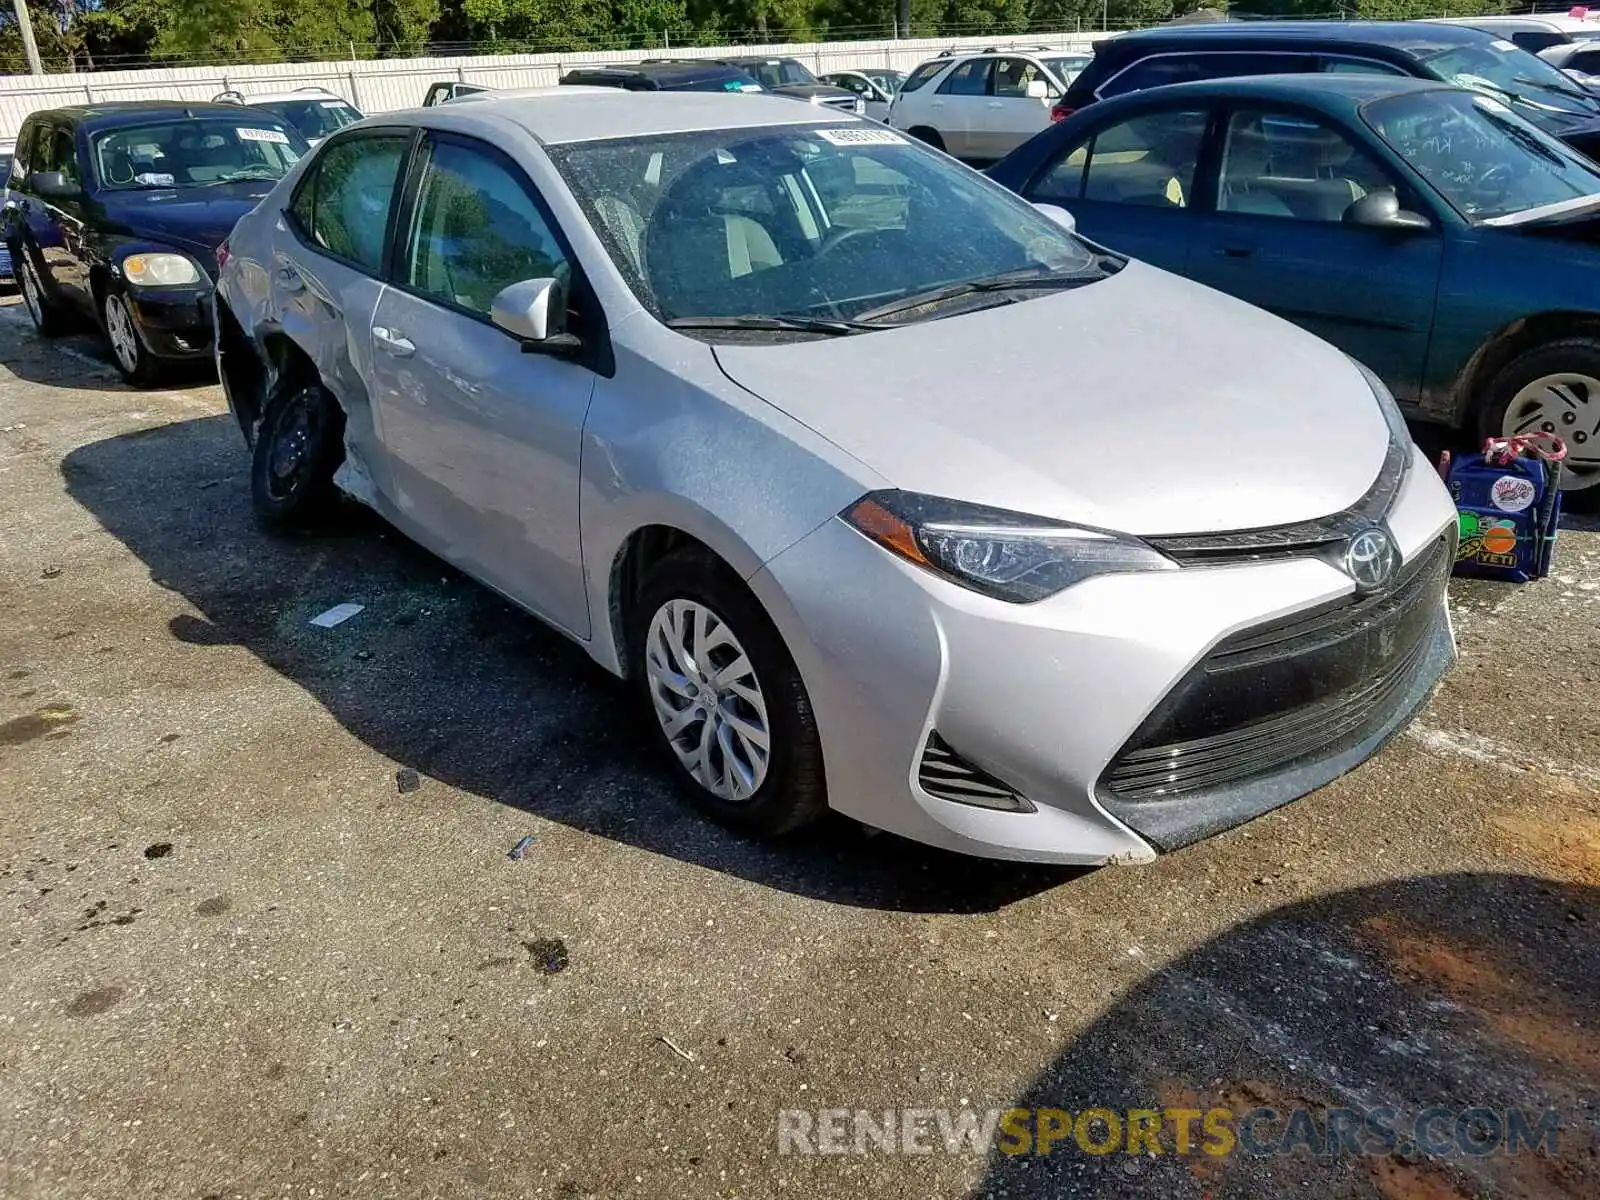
(1510, 510)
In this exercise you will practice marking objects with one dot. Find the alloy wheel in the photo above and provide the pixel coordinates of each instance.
(1568, 405)
(119, 328)
(708, 699)
(30, 293)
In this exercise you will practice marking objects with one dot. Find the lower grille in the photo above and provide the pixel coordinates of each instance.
(1279, 694)
(948, 776)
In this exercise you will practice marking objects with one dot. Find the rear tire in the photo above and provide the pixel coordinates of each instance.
(931, 136)
(716, 682)
(299, 446)
(1554, 388)
(47, 316)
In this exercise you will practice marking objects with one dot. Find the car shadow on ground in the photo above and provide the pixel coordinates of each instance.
(60, 361)
(441, 675)
(1456, 991)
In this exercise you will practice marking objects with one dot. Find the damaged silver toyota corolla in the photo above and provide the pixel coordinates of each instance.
(889, 493)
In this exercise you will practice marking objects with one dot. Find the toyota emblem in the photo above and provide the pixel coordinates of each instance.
(1370, 559)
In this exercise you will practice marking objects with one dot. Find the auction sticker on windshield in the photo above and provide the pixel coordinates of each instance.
(861, 137)
(262, 135)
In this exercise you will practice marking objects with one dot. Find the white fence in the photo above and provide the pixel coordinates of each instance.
(382, 85)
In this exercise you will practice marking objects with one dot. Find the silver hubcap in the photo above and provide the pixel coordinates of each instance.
(1567, 405)
(30, 293)
(708, 699)
(119, 327)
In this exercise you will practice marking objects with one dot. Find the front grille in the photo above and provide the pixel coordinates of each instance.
(947, 775)
(1278, 694)
(843, 103)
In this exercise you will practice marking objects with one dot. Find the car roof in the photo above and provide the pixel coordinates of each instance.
(298, 94)
(585, 114)
(125, 112)
(1315, 89)
(1402, 35)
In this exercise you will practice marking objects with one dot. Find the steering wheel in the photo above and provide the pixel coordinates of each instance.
(839, 235)
(1494, 183)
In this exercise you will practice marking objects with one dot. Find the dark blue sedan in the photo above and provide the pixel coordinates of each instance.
(1426, 230)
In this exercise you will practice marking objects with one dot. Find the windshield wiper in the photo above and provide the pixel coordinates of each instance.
(1011, 281)
(783, 324)
(1570, 93)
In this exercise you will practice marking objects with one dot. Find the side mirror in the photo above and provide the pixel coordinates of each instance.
(1038, 89)
(1059, 215)
(535, 313)
(54, 184)
(1381, 210)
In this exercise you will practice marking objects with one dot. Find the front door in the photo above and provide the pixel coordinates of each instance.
(482, 438)
(1012, 115)
(1130, 184)
(1278, 240)
(326, 274)
(55, 223)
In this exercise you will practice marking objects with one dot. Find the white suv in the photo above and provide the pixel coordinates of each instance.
(983, 106)
(314, 111)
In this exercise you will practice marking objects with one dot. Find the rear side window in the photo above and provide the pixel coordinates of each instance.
(923, 74)
(971, 78)
(342, 204)
(1160, 70)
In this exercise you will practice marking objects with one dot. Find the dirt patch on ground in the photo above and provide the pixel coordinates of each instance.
(1565, 845)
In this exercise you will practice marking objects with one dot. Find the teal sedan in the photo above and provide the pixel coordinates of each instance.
(1425, 229)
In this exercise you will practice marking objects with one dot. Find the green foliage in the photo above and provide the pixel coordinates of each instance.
(89, 34)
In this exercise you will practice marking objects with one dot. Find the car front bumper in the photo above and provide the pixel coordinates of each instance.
(173, 322)
(1053, 701)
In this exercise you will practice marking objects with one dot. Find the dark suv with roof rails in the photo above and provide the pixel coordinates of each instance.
(686, 75)
(116, 212)
(1455, 54)
(791, 77)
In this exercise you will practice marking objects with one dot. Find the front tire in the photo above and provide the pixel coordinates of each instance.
(299, 446)
(724, 697)
(133, 358)
(1554, 388)
(931, 136)
(48, 319)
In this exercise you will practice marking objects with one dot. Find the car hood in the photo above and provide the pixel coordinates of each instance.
(1143, 403)
(193, 219)
(813, 91)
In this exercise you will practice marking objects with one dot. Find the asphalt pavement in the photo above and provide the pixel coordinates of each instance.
(262, 935)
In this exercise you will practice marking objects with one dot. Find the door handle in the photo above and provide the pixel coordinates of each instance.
(1238, 251)
(393, 342)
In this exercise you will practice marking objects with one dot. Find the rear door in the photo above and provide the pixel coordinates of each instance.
(1131, 182)
(1278, 240)
(960, 105)
(326, 274)
(1012, 115)
(482, 438)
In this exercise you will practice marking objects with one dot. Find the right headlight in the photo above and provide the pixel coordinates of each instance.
(160, 270)
(1007, 555)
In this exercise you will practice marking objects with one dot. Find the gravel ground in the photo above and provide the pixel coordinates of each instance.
(242, 957)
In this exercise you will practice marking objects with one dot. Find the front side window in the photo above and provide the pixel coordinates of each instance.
(192, 152)
(1149, 160)
(58, 153)
(923, 75)
(971, 78)
(1484, 159)
(1013, 75)
(802, 221)
(1162, 69)
(476, 231)
(1280, 164)
(343, 203)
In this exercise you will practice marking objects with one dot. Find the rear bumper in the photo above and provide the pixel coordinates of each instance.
(173, 323)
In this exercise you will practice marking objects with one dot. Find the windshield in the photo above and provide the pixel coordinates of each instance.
(1505, 70)
(889, 81)
(315, 119)
(776, 72)
(1483, 158)
(196, 152)
(803, 221)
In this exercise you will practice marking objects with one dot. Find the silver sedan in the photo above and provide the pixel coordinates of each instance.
(887, 492)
